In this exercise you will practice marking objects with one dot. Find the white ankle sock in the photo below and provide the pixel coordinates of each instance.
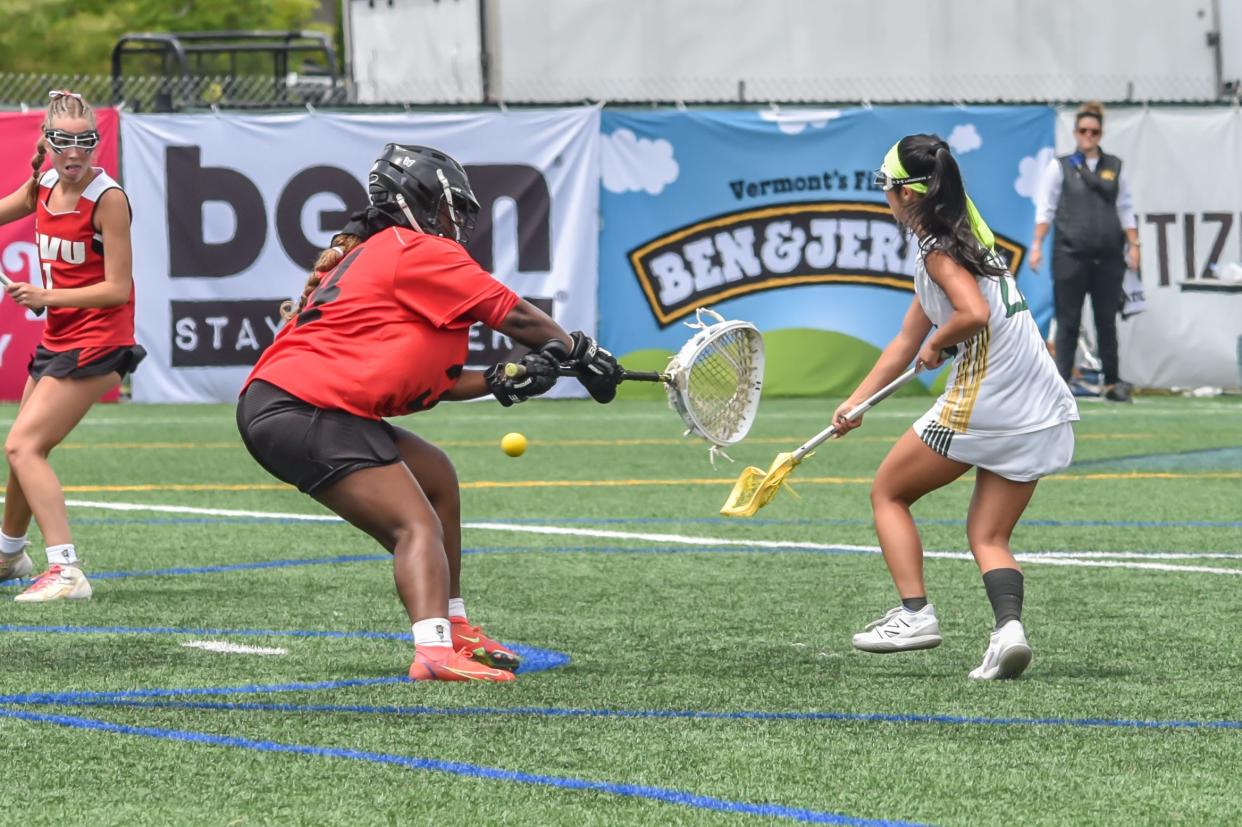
(63, 555)
(457, 607)
(11, 545)
(434, 631)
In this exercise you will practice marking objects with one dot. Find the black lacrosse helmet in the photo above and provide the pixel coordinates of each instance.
(434, 187)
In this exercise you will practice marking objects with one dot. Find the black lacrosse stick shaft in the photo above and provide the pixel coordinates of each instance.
(626, 375)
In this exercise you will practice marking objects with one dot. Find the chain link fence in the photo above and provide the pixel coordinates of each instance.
(174, 94)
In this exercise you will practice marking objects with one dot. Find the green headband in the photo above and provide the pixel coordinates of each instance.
(893, 166)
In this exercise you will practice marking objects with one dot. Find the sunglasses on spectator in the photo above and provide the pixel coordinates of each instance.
(886, 182)
(1086, 130)
(59, 140)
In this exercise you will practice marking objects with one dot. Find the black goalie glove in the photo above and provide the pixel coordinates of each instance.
(535, 374)
(595, 367)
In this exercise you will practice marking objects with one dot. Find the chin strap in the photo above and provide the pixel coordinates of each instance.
(409, 215)
(448, 199)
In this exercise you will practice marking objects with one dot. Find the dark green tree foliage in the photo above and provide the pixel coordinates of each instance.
(77, 36)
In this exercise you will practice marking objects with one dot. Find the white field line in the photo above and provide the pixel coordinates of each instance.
(1071, 559)
(777, 544)
(207, 512)
(223, 647)
(1142, 555)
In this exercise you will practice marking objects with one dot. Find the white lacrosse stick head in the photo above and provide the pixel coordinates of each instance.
(716, 379)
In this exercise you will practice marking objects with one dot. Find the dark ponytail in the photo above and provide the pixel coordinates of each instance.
(940, 217)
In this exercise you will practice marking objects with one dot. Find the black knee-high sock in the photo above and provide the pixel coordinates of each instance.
(1004, 588)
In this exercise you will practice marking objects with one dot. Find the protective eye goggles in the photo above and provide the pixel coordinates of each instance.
(886, 182)
(60, 140)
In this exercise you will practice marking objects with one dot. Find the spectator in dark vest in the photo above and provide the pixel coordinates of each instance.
(1087, 198)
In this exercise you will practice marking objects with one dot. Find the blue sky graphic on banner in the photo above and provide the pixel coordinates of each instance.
(771, 217)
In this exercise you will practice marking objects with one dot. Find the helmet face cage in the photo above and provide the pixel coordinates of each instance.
(434, 188)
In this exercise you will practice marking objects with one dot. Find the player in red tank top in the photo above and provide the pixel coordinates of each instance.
(82, 223)
(382, 329)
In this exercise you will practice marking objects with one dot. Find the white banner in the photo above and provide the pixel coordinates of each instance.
(1184, 165)
(230, 211)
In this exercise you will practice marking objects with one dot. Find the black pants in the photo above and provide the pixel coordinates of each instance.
(1073, 277)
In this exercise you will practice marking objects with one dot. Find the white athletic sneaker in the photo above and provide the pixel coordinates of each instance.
(17, 565)
(1007, 656)
(57, 583)
(900, 631)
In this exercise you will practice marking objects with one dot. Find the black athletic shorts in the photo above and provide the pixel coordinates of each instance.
(64, 363)
(306, 446)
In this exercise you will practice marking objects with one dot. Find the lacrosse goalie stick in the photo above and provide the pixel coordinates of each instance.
(755, 487)
(714, 382)
(6, 281)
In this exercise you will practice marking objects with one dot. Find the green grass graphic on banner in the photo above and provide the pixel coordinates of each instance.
(798, 362)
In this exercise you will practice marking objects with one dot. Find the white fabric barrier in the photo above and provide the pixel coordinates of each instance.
(231, 210)
(1184, 165)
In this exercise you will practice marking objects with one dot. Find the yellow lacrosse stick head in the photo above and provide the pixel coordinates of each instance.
(755, 487)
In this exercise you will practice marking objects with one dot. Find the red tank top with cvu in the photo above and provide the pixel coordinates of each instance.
(71, 255)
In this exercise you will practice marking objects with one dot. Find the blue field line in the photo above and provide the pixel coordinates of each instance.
(170, 630)
(178, 571)
(124, 695)
(824, 521)
(561, 712)
(660, 794)
(175, 571)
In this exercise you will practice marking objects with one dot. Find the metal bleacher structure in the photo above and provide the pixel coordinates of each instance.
(173, 72)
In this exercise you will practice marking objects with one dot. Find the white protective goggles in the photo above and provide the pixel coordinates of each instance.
(59, 140)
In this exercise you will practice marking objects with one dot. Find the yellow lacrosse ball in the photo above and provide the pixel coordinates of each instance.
(513, 444)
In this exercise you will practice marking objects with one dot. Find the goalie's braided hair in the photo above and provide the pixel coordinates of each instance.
(342, 243)
(362, 225)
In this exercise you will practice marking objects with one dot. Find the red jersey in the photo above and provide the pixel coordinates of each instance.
(71, 255)
(386, 332)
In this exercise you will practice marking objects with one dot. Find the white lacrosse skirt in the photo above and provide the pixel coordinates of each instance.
(1018, 457)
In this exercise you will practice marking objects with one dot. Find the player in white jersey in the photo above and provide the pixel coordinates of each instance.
(1005, 410)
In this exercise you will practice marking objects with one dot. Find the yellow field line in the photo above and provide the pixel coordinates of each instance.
(170, 486)
(129, 446)
(624, 483)
(558, 443)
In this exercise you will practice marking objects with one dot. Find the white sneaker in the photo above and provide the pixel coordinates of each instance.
(57, 583)
(1007, 656)
(17, 565)
(900, 631)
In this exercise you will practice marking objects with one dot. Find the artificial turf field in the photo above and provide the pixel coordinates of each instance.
(689, 669)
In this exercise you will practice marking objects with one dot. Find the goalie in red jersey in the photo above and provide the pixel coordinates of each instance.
(382, 330)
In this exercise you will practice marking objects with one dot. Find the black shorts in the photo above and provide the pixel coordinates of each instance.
(65, 363)
(306, 446)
